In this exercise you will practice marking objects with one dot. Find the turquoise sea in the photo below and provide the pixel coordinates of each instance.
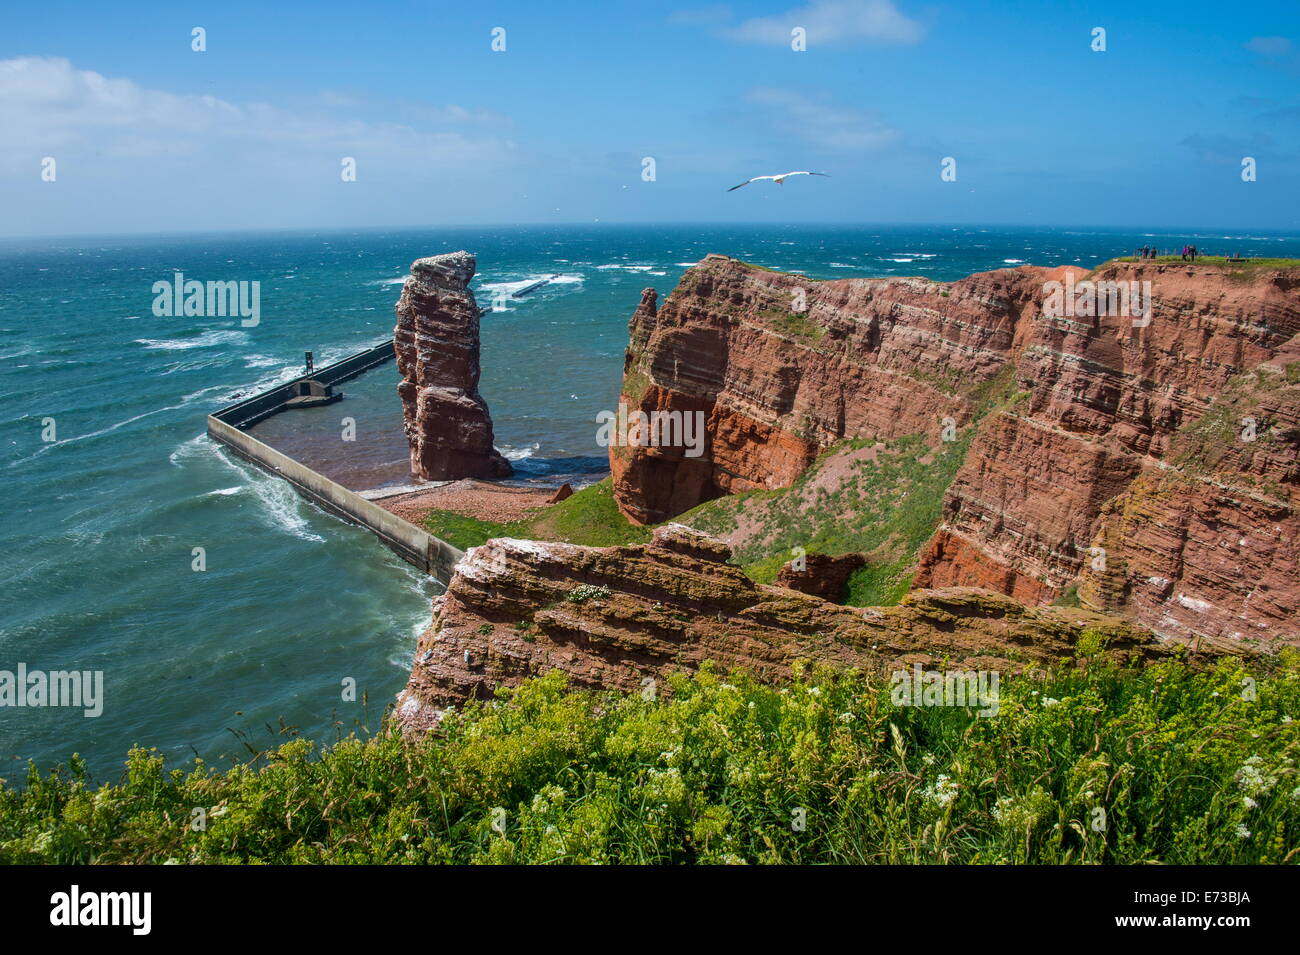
(100, 523)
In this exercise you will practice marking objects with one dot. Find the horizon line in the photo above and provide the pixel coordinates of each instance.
(196, 233)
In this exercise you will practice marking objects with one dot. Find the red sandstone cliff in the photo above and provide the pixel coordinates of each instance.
(437, 342)
(782, 367)
(1108, 451)
(1102, 429)
(1206, 545)
(616, 617)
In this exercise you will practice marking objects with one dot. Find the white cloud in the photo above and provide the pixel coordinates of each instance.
(833, 22)
(1269, 45)
(821, 123)
(134, 159)
(47, 106)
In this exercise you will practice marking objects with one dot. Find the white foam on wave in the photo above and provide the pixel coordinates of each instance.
(398, 281)
(518, 454)
(199, 444)
(199, 395)
(1013, 261)
(94, 434)
(280, 505)
(516, 285)
(213, 336)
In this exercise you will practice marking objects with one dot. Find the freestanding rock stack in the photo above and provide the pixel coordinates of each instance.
(437, 343)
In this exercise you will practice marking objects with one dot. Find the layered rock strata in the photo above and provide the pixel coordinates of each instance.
(780, 367)
(447, 422)
(617, 617)
(1098, 416)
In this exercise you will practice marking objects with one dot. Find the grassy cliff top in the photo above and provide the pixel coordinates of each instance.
(1220, 260)
(1178, 767)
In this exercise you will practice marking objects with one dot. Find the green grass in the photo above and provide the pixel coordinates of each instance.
(1090, 765)
(590, 517)
(887, 508)
(1252, 264)
(792, 325)
(1069, 597)
(764, 268)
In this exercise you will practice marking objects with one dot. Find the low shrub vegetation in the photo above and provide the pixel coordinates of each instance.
(1086, 765)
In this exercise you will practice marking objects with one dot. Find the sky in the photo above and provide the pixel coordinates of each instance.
(647, 112)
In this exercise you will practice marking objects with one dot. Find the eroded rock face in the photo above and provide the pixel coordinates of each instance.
(615, 617)
(1102, 452)
(1095, 414)
(1207, 549)
(821, 575)
(437, 342)
(782, 367)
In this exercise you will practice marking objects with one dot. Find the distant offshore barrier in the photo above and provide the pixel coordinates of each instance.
(413, 544)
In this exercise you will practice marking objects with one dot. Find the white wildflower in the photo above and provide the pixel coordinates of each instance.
(941, 792)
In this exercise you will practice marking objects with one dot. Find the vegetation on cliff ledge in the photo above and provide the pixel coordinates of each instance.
(881, 499)
(1090, 765)
(589, 517)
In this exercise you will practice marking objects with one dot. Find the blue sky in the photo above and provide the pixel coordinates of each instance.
(149, 135)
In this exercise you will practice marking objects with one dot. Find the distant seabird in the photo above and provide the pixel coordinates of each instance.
(779, 180)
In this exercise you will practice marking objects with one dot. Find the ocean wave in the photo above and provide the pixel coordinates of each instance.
(1014, 261)
(280, 505)
(197, 445)
(518, 454)
(511, 287)
(400, 281)
(194, 396)
(213, 336)
(93, 434)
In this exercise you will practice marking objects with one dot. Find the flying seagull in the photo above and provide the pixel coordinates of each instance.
(779, 180)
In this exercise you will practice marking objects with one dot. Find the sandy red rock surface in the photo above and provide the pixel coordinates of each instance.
(481, 499)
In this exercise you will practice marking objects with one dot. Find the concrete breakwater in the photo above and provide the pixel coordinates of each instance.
(227, 426)
(250, 411)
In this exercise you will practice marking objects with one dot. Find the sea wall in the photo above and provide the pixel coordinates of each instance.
(250, 411)
(411, 543)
